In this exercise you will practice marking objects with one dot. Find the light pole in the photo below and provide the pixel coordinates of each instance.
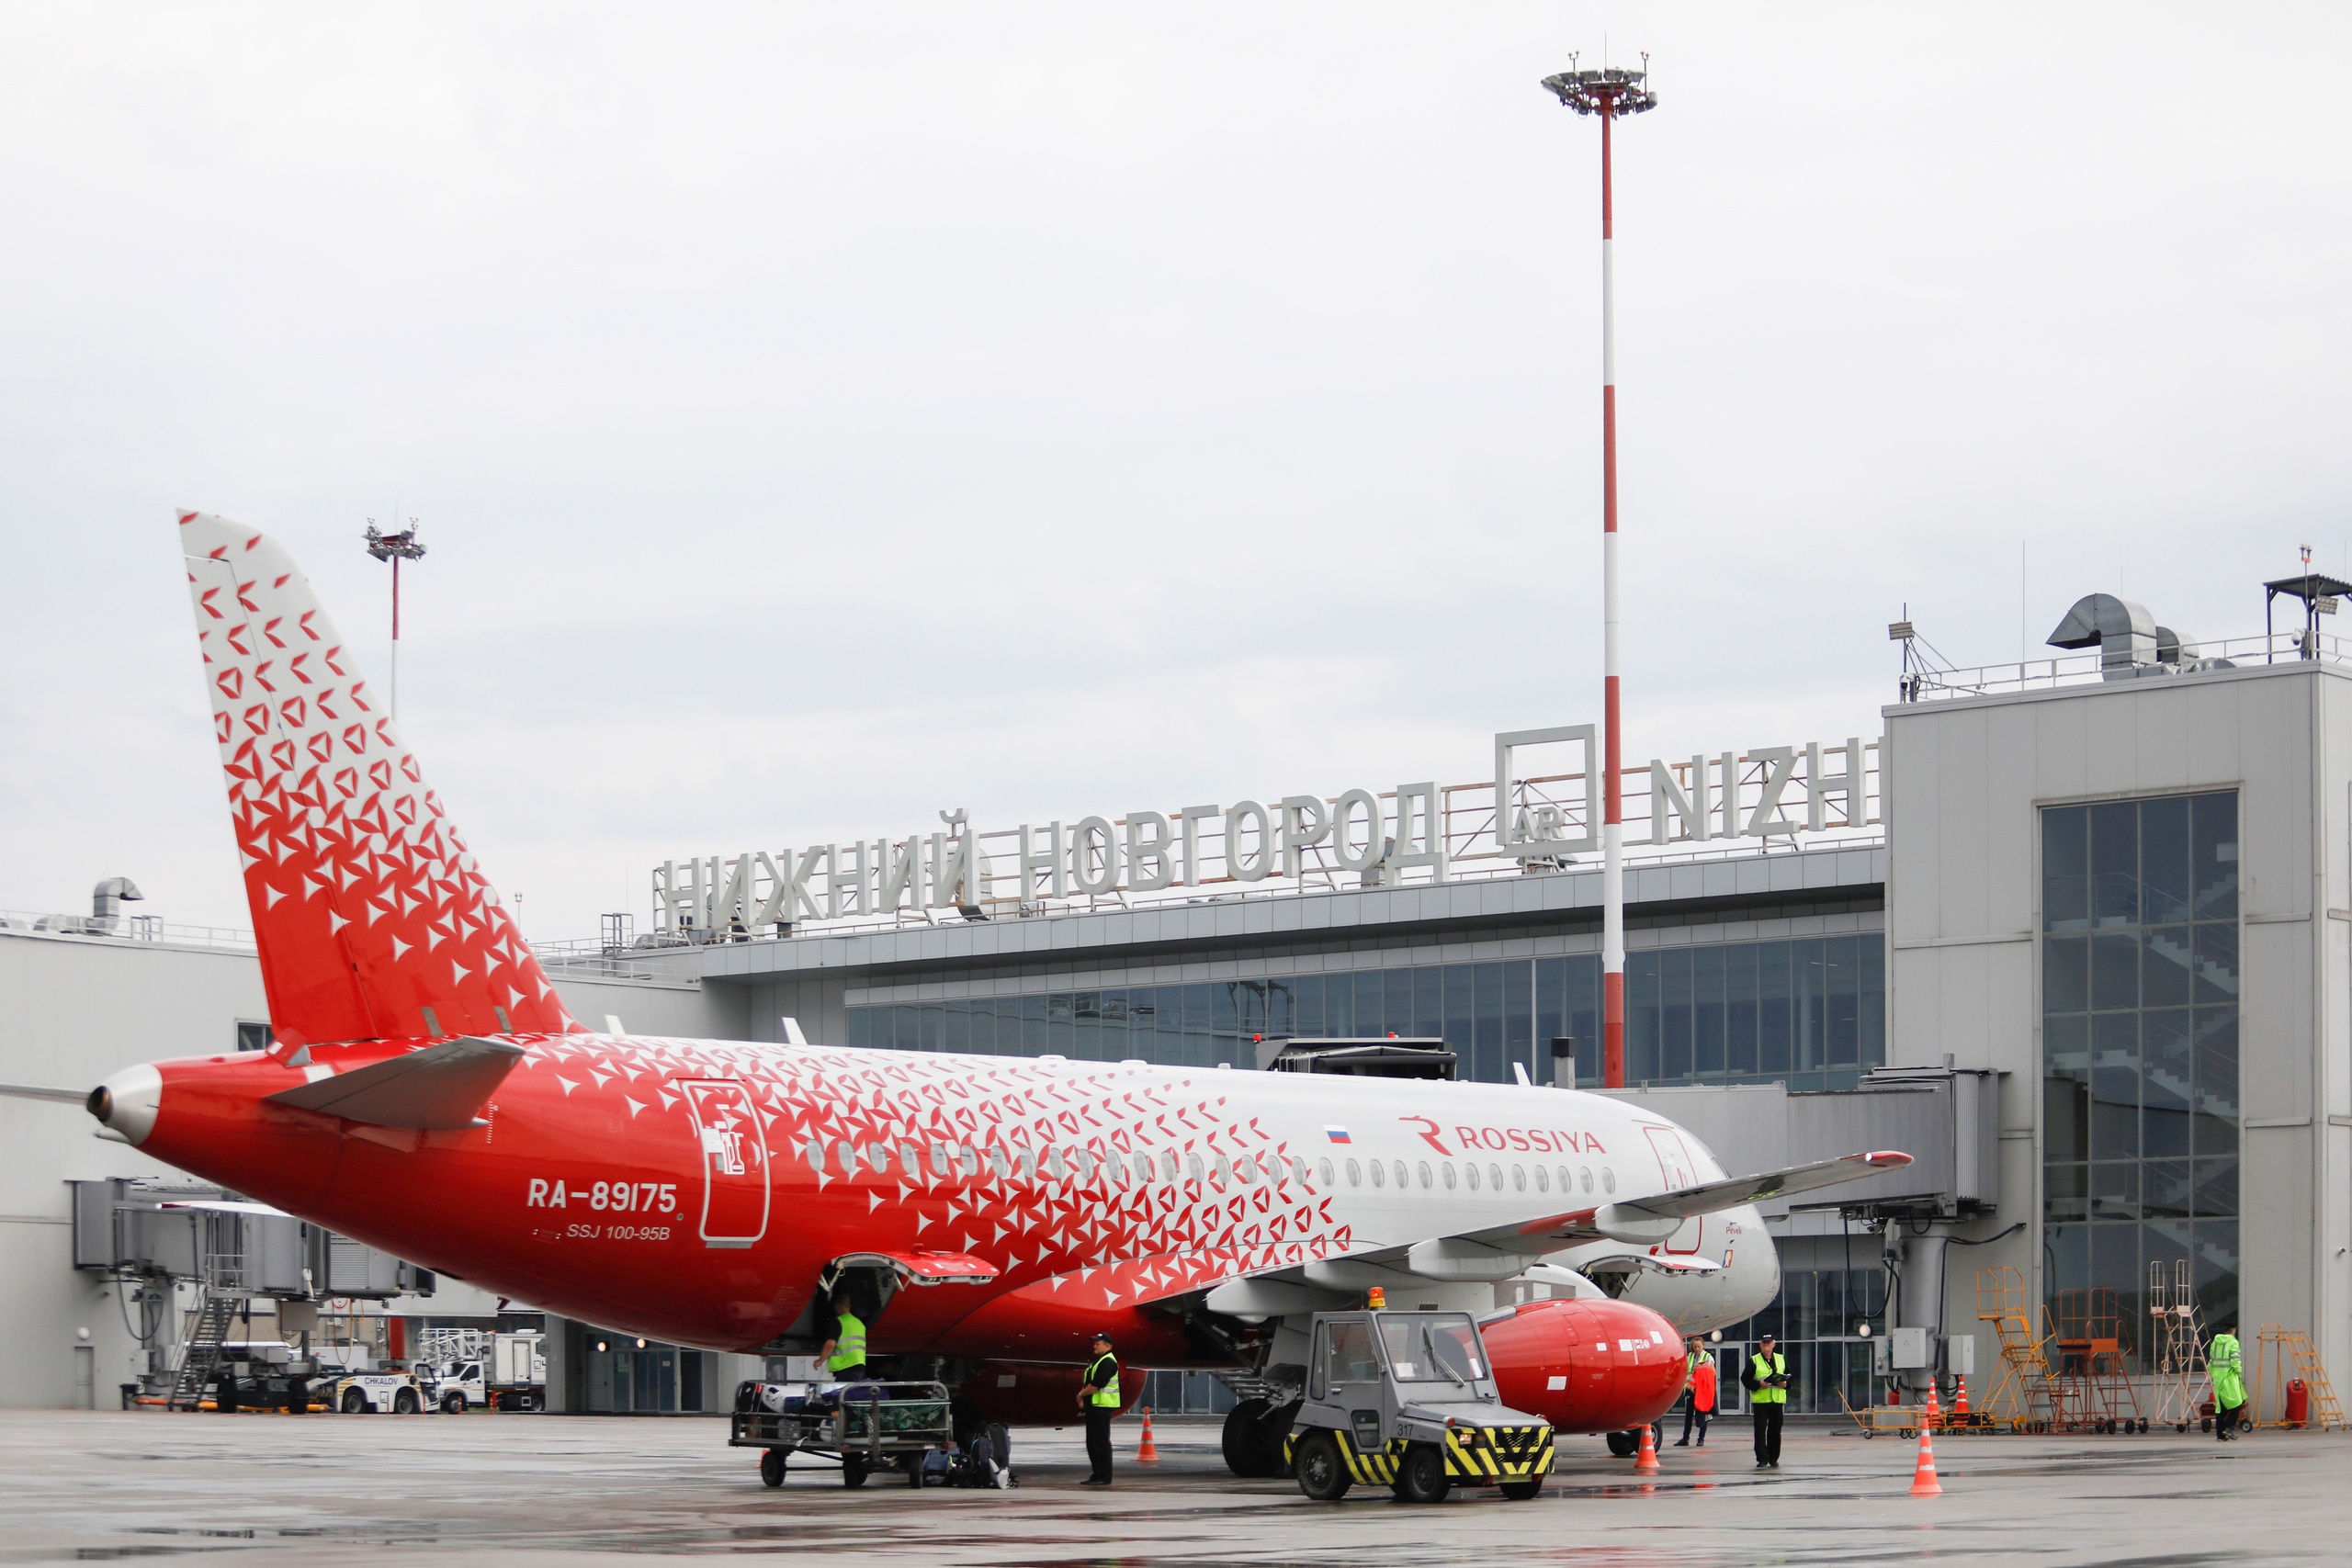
(395, 549)
(1609, 92)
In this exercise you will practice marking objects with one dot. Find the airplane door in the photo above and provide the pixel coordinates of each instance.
(1673, 1165)
(734, 1162)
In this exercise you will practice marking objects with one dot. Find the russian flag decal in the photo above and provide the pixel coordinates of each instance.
(1336, 1134)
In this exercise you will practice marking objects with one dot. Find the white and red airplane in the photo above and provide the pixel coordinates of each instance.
(429, 1095)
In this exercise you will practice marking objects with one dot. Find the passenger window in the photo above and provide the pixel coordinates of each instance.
(943, 1159)
(1355, 1174)
(1216, 1169)
(1543, 1179)
(1168, 1165)
(1329, 1180)
(1448, 1168)
(1086, 1166)
(1495, 1176)
(880, 1155)
(1142, 1168)
(1379, 1174)
(1588, 1179)
(1425, 1173)
(1470, 1172)
(815, 1154)
(1609, 1178)
(846, 1152)
(910, 1160)
(1298, 1170)
(999, 1164)
(1244, 1171)
(1518, 1178)
(970, 1158)
(1194, 1167)
(1399, 1168)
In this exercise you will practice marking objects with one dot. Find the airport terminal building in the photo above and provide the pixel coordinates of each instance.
(2084, 919)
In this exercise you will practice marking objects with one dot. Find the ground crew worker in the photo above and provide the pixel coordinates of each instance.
(845, 1354)
(1098, 1396)
(2227, 1361)
(1702, 1408)
(1766, 1381)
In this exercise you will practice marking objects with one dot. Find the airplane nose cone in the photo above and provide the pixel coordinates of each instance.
(126, 1103)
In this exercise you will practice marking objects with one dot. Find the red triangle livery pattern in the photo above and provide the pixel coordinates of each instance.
(351, 864)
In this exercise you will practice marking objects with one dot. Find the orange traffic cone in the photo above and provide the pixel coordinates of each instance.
(1646, 1463)
(1149, 1452)
(1960, 1400)
(1923, 1476)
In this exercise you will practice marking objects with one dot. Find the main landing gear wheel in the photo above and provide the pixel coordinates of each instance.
(772, 1467)
(853, 1471)
(354, 1402)
(1322, 1474)
(1253, 1438)
(1421, 1478)
(1521, 1491)
(1624, 1445)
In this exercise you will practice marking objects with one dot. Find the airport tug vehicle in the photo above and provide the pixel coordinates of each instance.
(1407, 1400)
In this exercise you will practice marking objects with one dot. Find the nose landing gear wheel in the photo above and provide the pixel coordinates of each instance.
(1421, 1478)
(1624, 1444)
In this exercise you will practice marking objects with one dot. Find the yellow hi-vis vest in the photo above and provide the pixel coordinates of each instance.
(1106, 1389)
(849, 1348)
(1772, 1366)
(2227, 1361)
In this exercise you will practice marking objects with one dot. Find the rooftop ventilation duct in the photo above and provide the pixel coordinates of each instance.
(2127, 636)
(107, 898)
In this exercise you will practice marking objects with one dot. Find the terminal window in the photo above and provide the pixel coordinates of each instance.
(2139, 1054)
(1807, 1011)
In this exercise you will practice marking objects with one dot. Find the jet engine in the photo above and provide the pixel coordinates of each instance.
(1589, 1365)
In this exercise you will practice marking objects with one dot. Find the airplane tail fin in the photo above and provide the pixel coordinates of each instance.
(372, 919)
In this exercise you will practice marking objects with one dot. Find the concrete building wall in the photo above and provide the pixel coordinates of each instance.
(74, 1009)
(1964, 786)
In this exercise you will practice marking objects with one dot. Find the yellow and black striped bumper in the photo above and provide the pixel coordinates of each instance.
(1472, 1453)
(1498, 1453)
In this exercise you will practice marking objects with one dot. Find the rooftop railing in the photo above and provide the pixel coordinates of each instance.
(2090, 667)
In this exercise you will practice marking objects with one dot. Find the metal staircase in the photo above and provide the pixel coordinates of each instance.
(199, 1356)
(2280, 1352)
(2026, 1395)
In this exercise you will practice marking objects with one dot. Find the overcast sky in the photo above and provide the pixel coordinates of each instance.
(822, 415)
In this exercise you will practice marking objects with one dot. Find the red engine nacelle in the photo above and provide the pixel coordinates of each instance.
(1587, 1366)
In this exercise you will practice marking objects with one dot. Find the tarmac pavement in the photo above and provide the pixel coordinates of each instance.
(527, 1490)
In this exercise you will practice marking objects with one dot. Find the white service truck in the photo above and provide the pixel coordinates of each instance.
(510, 1374)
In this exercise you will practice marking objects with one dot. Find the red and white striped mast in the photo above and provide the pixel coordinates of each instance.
(1609, 92)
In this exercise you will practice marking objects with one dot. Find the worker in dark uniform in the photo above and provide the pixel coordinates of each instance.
(1098, 1396)
(1766, 1382)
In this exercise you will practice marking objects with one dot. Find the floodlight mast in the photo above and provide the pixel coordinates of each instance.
(395, 549)
(1609, 92)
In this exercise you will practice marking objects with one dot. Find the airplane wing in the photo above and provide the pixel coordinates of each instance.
(440, 1087)
(1498, 1252)
(38, 1091)
(1657, 1217)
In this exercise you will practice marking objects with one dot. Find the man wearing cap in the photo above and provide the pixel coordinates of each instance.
(1099, 1398)
(1766, 1382)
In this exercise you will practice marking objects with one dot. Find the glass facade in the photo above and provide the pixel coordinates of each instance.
(2139, 1048)
(1818, 1320)
(1810, 1011)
